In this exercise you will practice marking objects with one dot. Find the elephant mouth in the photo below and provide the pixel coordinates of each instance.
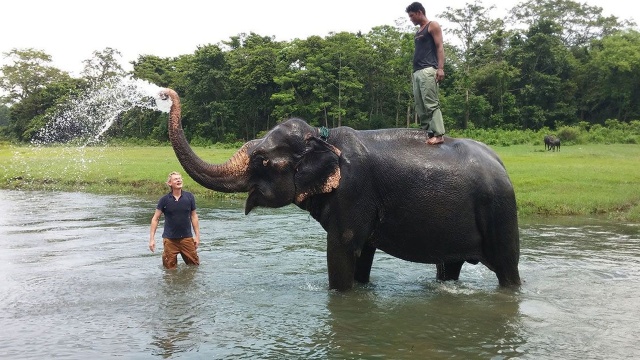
(264, 196)
(252, 199)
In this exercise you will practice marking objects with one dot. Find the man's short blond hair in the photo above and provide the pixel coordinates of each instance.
(170, 175)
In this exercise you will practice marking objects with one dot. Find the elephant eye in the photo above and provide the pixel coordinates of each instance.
(265, 162)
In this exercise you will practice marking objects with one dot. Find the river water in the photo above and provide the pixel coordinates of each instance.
(78, 281)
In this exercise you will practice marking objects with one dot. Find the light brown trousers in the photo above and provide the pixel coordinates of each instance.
(186, 247)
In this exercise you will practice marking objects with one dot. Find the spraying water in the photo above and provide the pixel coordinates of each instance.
(85, 119)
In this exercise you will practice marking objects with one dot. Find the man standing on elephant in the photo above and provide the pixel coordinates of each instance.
(179, 209)
(428, 72)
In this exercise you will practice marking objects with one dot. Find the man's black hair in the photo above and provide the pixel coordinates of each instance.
(416, 7)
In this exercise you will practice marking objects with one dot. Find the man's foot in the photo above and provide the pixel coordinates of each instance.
(435, 140)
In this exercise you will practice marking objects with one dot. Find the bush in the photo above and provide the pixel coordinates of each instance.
(200, 141)
(569, 134)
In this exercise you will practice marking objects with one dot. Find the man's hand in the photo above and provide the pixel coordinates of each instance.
(439, 75)
(152, 245)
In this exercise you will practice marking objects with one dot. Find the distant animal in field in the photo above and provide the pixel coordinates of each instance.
(551, 142)
(547, 142)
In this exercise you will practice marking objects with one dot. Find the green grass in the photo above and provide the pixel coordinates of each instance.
(136, 170)
(578, 180)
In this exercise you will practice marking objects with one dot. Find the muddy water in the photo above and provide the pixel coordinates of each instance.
(77, 281)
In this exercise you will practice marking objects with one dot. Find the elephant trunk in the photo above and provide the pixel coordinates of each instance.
(228, 177)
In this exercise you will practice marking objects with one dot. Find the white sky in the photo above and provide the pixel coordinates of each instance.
(71, 30)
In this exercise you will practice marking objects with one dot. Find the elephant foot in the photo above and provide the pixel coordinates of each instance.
(341, 265)
(511, 280)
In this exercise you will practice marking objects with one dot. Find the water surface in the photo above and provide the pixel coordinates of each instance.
(78, 281)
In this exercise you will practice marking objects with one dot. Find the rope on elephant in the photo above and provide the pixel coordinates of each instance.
(324, 133)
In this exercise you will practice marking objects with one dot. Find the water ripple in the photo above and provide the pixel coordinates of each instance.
(261, 291)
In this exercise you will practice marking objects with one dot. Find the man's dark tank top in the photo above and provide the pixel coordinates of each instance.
(425, 54)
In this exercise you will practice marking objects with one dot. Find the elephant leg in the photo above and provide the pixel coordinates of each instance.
(341, 264)
(506, 269)
(363, 264)
(508, 274)
(449, 270)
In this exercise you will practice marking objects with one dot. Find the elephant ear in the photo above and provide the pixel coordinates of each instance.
(318, 170)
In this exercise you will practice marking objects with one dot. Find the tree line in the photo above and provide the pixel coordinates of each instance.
(548, 64)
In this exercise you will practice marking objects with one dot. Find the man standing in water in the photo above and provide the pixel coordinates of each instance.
(428, 72)
(179, 209)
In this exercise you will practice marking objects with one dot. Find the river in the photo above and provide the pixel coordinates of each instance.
(77, 281)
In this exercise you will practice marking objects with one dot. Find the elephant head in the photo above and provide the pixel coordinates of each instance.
(288, 165)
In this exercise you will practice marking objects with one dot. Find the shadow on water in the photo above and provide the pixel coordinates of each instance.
(442, 321)
(175, 320)
(77, 280)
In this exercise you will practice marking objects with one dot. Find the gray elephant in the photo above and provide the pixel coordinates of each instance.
(547, 142)
(551, 142)
(376, 189)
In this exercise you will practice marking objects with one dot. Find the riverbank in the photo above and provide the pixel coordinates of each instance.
(579, 180)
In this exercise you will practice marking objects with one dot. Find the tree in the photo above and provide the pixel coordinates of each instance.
(29, 72)
(251, 62)
(546, 89)
(103, 66)
(4, 115)
(388, 82)
(302, 87)
(321, 80)
(201, 79)
(610, 81)
(156, 70)
(473, 25)
(29, 115)
(347, 71)
(495, 81)
(580, 22)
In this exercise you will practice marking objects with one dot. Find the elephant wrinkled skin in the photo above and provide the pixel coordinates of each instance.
(376, 189)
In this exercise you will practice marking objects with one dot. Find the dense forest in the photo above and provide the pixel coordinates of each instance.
(548, 64)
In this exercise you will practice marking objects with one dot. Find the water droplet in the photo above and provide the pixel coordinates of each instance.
(84, 119)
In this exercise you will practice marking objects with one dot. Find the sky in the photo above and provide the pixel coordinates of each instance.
(70, 30)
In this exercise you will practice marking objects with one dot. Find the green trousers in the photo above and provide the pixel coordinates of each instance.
(425, 94)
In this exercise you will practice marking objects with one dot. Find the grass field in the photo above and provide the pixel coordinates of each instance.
(579, 180)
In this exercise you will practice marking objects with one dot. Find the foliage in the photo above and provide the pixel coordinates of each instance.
(29, 72)
(581, 23)
(102, 66)
(615, 132)
(4, 115)
(28, 116)
(559, 64)
(611, 78)
(157, 70)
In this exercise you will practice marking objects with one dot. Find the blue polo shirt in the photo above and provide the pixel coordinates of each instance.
(177, 215)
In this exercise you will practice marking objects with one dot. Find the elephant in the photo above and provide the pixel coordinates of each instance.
(374, 190)
(547, 142)
(551, 142)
